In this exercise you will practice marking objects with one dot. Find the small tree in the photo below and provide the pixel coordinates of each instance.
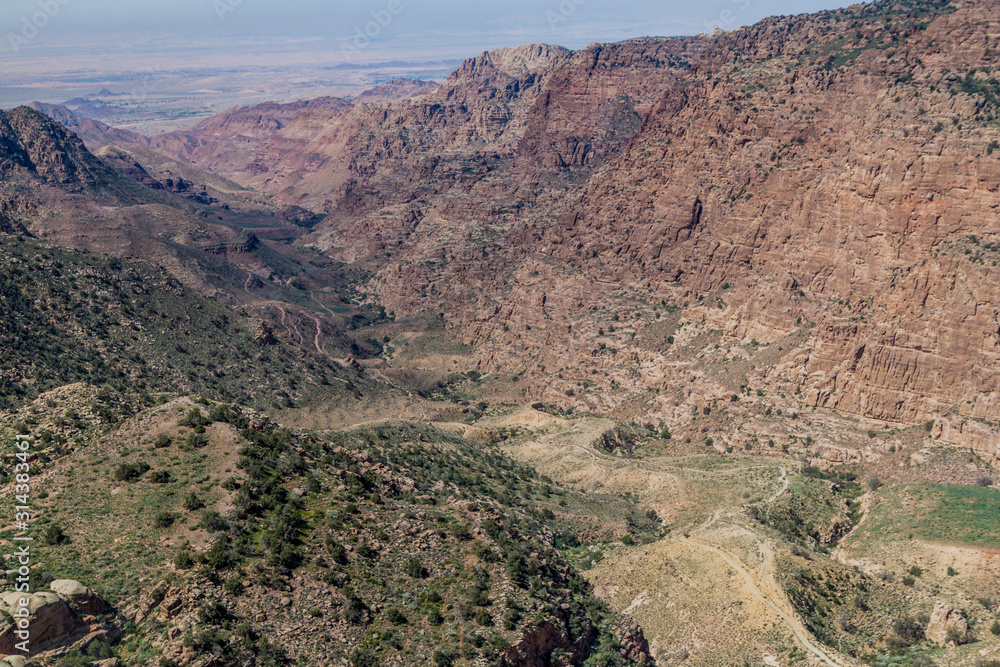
(183, 560)
(873, 484)
(161, 477)
(395, 616)
(193, 502)
(55, 534)
(415, 569)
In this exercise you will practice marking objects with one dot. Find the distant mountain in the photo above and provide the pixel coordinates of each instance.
(94, 133)
(92, 107)
(397, 89)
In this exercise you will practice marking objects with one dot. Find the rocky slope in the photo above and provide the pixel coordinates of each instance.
(208, 233)
(69, 317)
(36, 150)
(241, 543)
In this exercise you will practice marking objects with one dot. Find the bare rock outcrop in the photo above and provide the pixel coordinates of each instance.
(55, 618)
(947, 625)
(50, 618)
(83, 599)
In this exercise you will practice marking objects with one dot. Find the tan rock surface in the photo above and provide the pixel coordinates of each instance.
(946, 625)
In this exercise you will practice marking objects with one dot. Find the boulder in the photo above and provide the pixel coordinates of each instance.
(54, 617)
(82, 598)
(50, 618)
(946, 625)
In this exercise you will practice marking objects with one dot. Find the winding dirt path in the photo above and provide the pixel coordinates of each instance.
(765, 594)
(751, 580)
(312, 295)
(785, 482)
(556, 439)
(290, 329)
(319, 330)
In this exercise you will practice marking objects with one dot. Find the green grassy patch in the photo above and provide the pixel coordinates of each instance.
(968, 515)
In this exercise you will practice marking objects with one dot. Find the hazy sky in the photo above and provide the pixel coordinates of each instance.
(400, 28)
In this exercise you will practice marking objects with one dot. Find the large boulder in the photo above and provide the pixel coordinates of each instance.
(82, 598)
(15, 661)
(50, 618)
(54, 616)
(947, 625)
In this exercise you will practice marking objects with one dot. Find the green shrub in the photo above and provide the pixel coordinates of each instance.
(395, 616)
(129, 472)
(355, 611)
(362, 657)
(336, 551)
(234, 585)
(415, 569)
(445, 657)
(183, 560)
(192, 501)
(54, 534)
(164, 519)
(195, 441)
(213, 522)
(194, 419)
(161, 477)
(908, 629)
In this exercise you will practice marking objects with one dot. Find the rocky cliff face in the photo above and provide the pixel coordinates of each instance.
(854, 196)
